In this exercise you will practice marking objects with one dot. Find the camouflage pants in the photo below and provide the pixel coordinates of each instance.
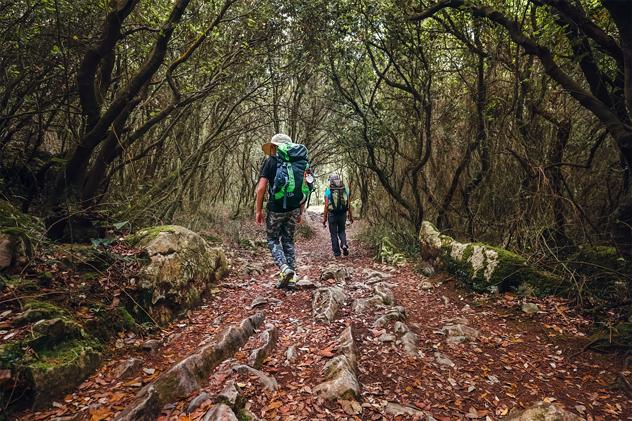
(280, 227)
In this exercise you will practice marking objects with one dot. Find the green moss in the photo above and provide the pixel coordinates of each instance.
(147, 234)
(510, 271)
(20, 284)
(64, 354)
(59, 370)
(10, 353)
(243, 415)
(126, 318)
(107, 323)
(595, 260)
(37, 310)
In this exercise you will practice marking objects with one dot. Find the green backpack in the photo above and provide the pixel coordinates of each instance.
(290, 186)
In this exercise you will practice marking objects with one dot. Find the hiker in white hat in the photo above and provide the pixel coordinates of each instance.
(282, 176)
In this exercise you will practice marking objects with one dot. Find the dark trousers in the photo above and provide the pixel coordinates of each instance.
(337, 225)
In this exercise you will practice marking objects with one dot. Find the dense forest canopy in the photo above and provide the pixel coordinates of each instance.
(503, 121)
(486, 146)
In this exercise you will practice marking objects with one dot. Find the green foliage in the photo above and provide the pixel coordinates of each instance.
(616, 338)
(147, 234)
(392, 245)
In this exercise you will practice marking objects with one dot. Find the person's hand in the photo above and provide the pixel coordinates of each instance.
(259, 217)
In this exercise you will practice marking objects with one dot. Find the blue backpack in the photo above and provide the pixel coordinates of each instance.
(338, 198)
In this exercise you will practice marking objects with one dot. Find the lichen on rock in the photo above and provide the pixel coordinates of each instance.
(180, 270)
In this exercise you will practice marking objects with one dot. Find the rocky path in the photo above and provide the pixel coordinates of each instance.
(358, 341)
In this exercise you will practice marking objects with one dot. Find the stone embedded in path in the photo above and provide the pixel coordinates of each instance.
(401, 328)
(543, 412)
(269, 382)
(443, 360)
(127, 368)
(530, 308)
(305, 284)
(397, 313)
(425, 285)
(361, 305)
(290, 354)
(261, 301)
(197, 402)
(327, 302)
(337, 273)
(456, 333)
(410, 341)
(374, 276)
(152, 345)
(230, 396)
(258, 355)
(386, 337)
(396, 409)
(341, 381)
(385, 294)
(191, 373)
(220, 412)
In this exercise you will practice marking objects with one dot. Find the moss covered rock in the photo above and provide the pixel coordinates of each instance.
(48, 366)
(19, 233)
(181, 268)
(482, 267)
(85, 257)
(61, 369)
(38, 310)
(598, 260)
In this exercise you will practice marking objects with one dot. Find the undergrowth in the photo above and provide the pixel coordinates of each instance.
(391, 244)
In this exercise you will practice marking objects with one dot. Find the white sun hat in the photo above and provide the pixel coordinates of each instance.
(277, 139)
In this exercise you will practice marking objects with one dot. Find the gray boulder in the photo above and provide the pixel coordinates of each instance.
(181, 269)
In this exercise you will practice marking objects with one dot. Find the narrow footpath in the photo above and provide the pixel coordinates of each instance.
(358, 341)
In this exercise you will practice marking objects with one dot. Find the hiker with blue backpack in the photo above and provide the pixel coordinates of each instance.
(286, 176)
(336, 209)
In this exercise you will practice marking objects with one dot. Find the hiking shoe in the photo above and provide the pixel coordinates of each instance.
(284, 278)
(292, 282)
(345, 250)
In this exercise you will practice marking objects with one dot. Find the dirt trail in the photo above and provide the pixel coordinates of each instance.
(476, 357)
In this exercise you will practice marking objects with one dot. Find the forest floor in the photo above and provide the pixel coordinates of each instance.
(516, 360)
